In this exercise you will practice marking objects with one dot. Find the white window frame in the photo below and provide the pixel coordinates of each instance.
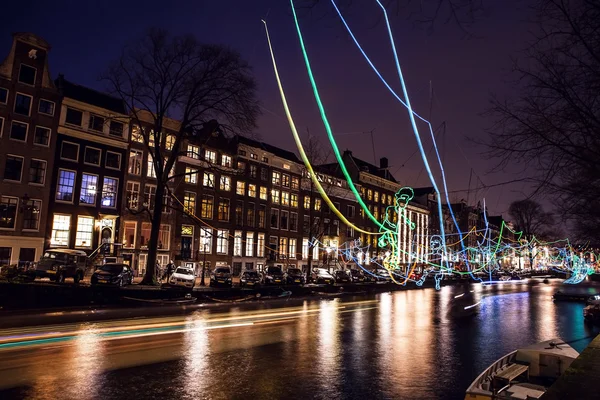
(68, 230)
(74, 109)
(106, 160)
(166, 246)
(34, 76)
(49, 136)
(260, 245)
(98, 186)
(237, 244)
(49, 101)
(249, 244)
(222, 241)
(133, 184)
(22, 166)
(61, 151)
(30, 103)
(26, 131)
(208, 180)
(39, 221)
(16, 213)
(91, 233)
(191, 175)
(116, 197)
(292, 249)
(57, 184)
(131, 245)
(93, 115)
(85, 152)
(45, 170)
(206, 233)
(210, 156)
(137, 152)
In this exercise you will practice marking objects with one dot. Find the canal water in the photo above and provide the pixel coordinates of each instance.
(404, 345)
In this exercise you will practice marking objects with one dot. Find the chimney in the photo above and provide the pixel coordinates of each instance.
(347, 153)
(383, 163)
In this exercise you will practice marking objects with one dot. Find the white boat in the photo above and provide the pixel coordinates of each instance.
(525, 373)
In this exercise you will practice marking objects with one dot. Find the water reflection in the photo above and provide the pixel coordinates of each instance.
(196, 357)
(328, 360)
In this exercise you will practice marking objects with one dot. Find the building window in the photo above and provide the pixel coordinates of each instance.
(285, 180)
(206, 240)
(8, 212)
(73, 117)
(92, 156)
(293, 222)
(260, 245)
(207, 207)
(369, 194)
(113, 160)
(253, 171)
(150, 170)
(133, 195)
(208, 180)
(253, 156)
(137, 135)
(89, 188)
(135, 162)
(275, 194)
(164, 237)
(96, 123)
(37, 171)
(41, 136)
(265, 160)
(226, 160)
(251, 190)
(263, 193)
(295, 183)
(250, 215)
(109, 192)
(27, 74)
(191, 175)
(294, 200)
(237, 244)
(282, 247)
(149, 196)
(13, 168)
(210, 156)
(305, 246)
(129, 234)
(274, 219)
(284, 220)
(222, 241)
(351, 211)
(18, 131)
(166, 205)
(116, 129)
(276, 180)
(69, 151)
(145, 234)
(262, 214)
(66, 184)
(306, 202)
(61, 227)
(349, 232)
(285, 198)
(249, 244)
(5, 255)
(31, 215)
(240, 188)
(170, 142)
(223, 209)
(241, 166)
(225, 183)
(264, 174)
(3, 95)
(239, 213)
(189, 202)
(292, 251)
(193, 151)
(317, 204)
(85, 229)
(23, 104)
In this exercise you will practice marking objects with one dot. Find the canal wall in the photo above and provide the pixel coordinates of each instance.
(581, 380)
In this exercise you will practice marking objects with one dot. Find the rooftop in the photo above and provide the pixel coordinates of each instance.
(90, 96)
(279, 152)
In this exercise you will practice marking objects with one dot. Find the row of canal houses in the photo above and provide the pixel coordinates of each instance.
(75, 173)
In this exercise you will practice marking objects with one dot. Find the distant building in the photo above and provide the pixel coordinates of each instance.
(29, 110)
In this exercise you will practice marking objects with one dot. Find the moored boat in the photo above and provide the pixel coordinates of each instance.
(524, 373)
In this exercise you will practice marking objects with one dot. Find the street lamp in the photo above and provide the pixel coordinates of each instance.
(204, 241)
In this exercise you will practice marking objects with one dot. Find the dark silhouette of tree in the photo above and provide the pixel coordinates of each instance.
(532, 221)
(552, 128)
(203, 87)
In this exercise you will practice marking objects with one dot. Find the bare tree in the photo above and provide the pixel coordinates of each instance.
(552, 128)
(530, 218)
(204, 87)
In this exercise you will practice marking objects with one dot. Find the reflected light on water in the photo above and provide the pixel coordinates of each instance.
(196, 354)
(328, 360)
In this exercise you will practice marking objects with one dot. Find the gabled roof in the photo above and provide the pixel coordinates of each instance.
(423, 191)
(279, 152)
(372, 169)
(90, 96)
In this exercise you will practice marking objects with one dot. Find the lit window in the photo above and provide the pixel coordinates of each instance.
(240, 188)
(223, 209)
(13, 168)
(149, 196)
(285, 198)
(8, 212)
(275, 196)
(191, 175)
(41, 136)
(137, 135)
(210, 156)
(276, 180)
(376, 197)
(133, 195)
(129, 234)
(369, 194)
(265, 159)
(66, 184)
(250, 215)
(292, 251)
(85, 229)
(208, 180)
(295, 183)
(61, 227)
(237, 244)
(89, 189)
(109, 192)
(145, 234)
(135, 162)
(225, 183)
(283, 247)
(241, 166)
(307, 202)
(170, 142)
(260, 245)
(18, 131)
(207, 207)
(249, 244)
(164, 237)
(253, 156)
(222, 241)
(31, 215)
(150, 171)
(251, 190)
(226, 160)
(305, 246)
(317, 204)
(23, 104)
(193, 151)
(286, 180)
(189, 202)
(294, 200)
(263, 193)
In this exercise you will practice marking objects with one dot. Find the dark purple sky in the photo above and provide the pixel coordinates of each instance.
(463, 71)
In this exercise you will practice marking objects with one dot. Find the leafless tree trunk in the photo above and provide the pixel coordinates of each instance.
(178, 86)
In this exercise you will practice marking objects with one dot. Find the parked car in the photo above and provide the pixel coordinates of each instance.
(295, 276)
(183, 277)
(356, 275)
(112, 274)
(273, 276)
(321, 275)
(381, 274)
(59, 264)
(342, 276)
(249, 278)
(221, 276)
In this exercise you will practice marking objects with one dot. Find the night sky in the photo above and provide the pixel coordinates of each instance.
(463, 71)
